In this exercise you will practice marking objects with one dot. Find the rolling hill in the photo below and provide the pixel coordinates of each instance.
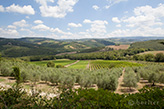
(45, 46)
(151, 44)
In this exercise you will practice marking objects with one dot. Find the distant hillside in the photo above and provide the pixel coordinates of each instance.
(16, 48)
(45, 46)
(152, 44)
(130, 40)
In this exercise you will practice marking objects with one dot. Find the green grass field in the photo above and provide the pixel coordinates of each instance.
(82, 64)
(57, 62)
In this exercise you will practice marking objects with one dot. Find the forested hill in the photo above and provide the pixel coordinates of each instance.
(151, 44)
(45, 46)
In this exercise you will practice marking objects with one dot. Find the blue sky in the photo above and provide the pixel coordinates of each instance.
(74, 19)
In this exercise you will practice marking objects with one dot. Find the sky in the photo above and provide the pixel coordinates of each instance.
(75, 19)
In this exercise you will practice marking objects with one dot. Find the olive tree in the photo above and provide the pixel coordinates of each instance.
(17, 74)
(130, 80)
(153, 77)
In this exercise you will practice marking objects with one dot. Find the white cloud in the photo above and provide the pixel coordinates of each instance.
(146, 16)
(147, 21)
(119, 25)
(116, 20)
(38, 22)
(87, 21)
(27, 30)
(2, 8)
(147, 31)
(59, 11)
(41, 27)
(95, 7)
(18, 9)
(98, 27)
(27, 17)
(21, 23)
(74, 25)
(11, 27)
(60, 31)
(113, 2)
(8, 33)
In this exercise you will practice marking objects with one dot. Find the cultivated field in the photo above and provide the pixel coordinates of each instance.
(106, 74)
(63, 62)
(124, 47)
(108, 64)
(82, 64)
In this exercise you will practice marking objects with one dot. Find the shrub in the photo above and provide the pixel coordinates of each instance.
(50, 64)
(59, 66)
(149, 57)
(159, 57)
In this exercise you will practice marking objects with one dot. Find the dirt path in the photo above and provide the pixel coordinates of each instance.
(72, 63)
(121, 89)
(120, 82)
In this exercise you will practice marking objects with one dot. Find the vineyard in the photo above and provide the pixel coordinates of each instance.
(101, 64)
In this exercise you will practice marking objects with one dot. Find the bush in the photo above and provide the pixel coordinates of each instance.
(50, 64)
(59, 66)
(159, 57)
(149, 57)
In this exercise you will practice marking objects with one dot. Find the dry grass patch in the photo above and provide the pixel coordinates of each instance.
(122, 47)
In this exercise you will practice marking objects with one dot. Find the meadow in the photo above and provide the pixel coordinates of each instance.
(57, 62)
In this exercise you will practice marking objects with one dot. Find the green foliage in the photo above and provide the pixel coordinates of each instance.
(147, 98)
(6, 71)
(108, 82)
(159, 57)
(59, 66)
(152, 44)
(161, 78)
(153, 77)
(152, 73)
(50, 64)
(149, 57)
(107, 55)
(130, 79)
(0, 57)
(101, 64)
(17, 74)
